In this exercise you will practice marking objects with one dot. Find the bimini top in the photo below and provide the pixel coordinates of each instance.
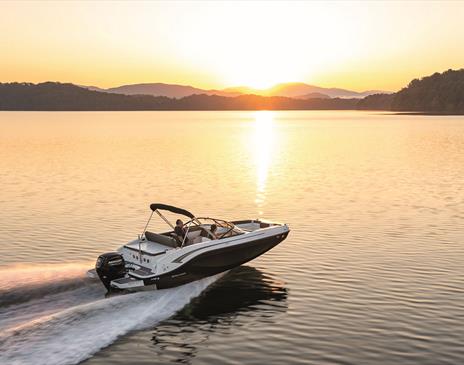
(170, 208)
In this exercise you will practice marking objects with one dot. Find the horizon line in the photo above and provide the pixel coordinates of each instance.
(224, 89)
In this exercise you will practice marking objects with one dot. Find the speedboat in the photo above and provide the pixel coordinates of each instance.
(164, 260)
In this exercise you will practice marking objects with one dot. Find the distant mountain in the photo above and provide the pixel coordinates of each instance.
(292, 90)
(93, 88)
(57, 96)
(313, 96)
(160, 89)
(299, 90)
(438, 93)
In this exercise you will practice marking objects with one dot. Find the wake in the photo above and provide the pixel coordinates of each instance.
(54, 315)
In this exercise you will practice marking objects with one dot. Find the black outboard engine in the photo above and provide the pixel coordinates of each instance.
(110, 266)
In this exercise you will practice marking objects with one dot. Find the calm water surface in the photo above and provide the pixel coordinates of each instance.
(372, 272)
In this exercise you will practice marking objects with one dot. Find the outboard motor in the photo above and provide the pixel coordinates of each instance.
(110, 266)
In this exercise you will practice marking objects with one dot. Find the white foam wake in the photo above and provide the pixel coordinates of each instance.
(73, 334)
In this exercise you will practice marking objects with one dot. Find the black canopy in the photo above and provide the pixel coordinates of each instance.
(155, 206)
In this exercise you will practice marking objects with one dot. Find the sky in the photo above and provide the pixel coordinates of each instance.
(354, 45)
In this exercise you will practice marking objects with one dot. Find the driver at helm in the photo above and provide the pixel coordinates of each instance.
(213, 231)
(179, 230)
(185, 237)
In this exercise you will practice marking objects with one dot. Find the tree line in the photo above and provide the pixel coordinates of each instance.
(438, 93)
(58, 96)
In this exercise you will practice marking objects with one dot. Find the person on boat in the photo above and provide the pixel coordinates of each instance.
(179, 230)
(185, 237)
(213, 231)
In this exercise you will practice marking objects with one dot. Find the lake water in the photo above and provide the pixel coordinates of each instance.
(371, 273)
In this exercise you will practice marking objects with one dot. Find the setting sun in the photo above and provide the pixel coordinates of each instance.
(226, 44)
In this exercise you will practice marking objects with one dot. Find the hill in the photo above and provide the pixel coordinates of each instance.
(437, 93)
(160, 89)
(376, 102)
(299, 89)
(292, 90)
(58, 96)
(314, 96)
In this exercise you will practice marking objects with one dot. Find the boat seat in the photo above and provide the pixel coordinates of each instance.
(161, 239)
(177, 238)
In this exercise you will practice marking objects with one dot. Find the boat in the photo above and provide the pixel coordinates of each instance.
(208, 247)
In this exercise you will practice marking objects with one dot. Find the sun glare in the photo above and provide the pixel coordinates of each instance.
(263, 151)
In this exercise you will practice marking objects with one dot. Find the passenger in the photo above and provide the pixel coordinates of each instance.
(213, 231)
(180, 230)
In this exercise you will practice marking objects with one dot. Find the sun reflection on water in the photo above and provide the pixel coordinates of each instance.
(264, 138)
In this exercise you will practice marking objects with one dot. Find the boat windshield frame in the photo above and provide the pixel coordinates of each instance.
(193, 222)
(198, 221)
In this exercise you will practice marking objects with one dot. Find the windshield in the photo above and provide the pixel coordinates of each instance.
(207, 222)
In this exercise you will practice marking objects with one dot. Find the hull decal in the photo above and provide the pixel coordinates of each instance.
(180, 258)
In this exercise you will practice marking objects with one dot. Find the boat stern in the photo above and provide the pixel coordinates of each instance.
(127, 283)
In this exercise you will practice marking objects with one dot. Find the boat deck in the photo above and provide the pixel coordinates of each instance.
(147, 247)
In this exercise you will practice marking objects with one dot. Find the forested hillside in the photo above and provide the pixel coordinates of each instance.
(438, 93)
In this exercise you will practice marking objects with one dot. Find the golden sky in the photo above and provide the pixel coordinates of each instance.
(355, 45)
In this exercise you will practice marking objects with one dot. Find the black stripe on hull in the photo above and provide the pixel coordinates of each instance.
(216, 261)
